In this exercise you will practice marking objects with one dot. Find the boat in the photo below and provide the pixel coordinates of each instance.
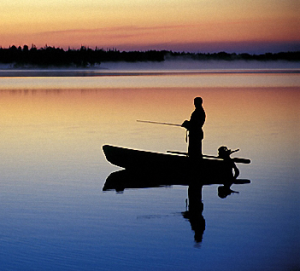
(170, 164)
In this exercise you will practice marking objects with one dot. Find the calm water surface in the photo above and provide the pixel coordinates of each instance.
(55, 216)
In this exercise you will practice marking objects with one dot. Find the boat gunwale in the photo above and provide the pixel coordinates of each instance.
(158, 153)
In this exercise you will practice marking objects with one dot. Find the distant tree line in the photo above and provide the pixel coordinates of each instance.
(287, 56)
(85, 57)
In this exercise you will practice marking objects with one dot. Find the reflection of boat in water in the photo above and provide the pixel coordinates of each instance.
(208, 168)
(130, 179)
(126, 179)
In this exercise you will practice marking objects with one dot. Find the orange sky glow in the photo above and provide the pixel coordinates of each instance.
(191, 25)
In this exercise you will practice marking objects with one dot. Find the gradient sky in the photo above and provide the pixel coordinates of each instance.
(255, 26)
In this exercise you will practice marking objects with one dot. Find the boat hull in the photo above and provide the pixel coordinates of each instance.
(168, 164)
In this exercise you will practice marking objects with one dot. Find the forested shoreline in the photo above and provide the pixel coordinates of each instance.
(86, 57)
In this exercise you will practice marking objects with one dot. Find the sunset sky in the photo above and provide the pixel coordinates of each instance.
(255, 26)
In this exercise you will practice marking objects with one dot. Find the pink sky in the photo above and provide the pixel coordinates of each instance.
(255, 26)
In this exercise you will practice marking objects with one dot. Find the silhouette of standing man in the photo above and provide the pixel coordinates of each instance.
(194, 126)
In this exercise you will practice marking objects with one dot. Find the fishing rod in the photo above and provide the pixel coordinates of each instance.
(161, 123)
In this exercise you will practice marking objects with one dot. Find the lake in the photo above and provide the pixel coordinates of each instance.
(56, 216)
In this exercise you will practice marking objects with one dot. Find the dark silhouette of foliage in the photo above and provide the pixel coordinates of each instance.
(86, 57)
(287, 56)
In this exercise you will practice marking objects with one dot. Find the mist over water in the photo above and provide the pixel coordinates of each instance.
(170, 73)
(186, 64)
(175, 64)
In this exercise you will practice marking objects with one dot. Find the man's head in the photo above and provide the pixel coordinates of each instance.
(198, 102)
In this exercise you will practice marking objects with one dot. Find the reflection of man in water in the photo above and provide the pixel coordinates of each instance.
(194, 213)
(194, 126)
